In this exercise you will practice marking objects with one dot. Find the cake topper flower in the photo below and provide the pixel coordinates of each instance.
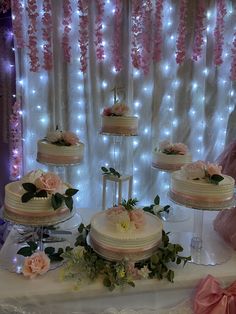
(173, 149)
(36, 264)
(62, 138)
(118, 110)
(200, 170)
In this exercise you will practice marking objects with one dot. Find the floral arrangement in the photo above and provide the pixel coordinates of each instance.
(62, 138)
(111, 171)
(118, 109)
(43, 184)
(173, 149)
(84, 265)
(200, 170)
(156, 209)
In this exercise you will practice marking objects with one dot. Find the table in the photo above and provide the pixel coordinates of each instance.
(47, 294)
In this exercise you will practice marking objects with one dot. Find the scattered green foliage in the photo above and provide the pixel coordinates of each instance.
(130, 204)
(110, 171)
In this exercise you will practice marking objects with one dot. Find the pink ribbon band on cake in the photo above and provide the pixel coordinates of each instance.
(206, 199)
(60, 211)
(58, 159)
(164, 166)
(210, 298)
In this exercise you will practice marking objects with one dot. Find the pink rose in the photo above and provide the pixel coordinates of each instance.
(120, 109)
(164, 145)
(137, 217)
(48, 181)
(195, 170)
(36, 264)
(107, 111)
(180, 148)
(213, 169)
(54, 136)
(70, 138)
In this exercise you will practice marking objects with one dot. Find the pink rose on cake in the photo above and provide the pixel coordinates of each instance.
(36, 264)
(137, 217)
(107, 111)
(117, 214)
(195, 170)
(48, 181)
(173, 149)
(120, 109)
(180, 148)
(164, 145)
(70, 138)
(213, 169)
(54, 136)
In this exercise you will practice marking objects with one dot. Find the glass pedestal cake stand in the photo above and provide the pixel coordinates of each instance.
(176, 213)
(205, 248)
(44, 235)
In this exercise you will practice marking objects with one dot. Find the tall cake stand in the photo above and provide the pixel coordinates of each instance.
(38, 233)
(205, 248)
(176, 212)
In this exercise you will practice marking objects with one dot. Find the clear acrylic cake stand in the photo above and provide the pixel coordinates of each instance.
(176, 212)
(204, 248)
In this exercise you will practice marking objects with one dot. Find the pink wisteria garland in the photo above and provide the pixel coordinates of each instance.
(117, 37)
(47, 33)
(199, 30)
(158, 31)
(146, 36)
(83, 33)
(67, 20)
(32, 35)
(136, 33)
(17, 11)
(233, 63)
(182, 30)
(15, 142)
(5, 5)
(219, 32)
(98, 30)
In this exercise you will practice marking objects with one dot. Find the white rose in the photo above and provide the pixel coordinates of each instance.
(164, 145)
(32, 176)
(195, 170)
(157, 209)
(54, 136)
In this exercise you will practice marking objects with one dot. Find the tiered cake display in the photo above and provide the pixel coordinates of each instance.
(202, 186)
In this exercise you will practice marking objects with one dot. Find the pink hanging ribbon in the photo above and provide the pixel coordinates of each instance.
(47, 33)
(17, 10)
(83, 33)
(98, 30)
(32, 34)
(67, 20)
(117, 55)
(5, 5)
(136, 33)
(210, 298)
(158, 31)
(146, 36)
(219, 32)
(199, 30)
(182, 29)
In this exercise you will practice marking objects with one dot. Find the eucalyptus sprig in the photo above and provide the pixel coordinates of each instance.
(150, 209)
(110, 171)
(130, 204)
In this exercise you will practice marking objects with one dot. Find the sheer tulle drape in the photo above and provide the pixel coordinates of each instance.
(191, 103)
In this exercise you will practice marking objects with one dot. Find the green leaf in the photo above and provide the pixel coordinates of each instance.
(216, 178)
(112, 170)
(131, 283)
(29, 187)
(56, 200)
(107, 282)
(170, 275)
(41, 193)
(25, 251)
(81, 228)
(49, 250)
(71, 192)
(26, 197)
(69, 202)
(32, 245)
(104, 169)
(157, 200)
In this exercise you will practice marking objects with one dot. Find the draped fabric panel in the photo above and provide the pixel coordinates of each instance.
(193, 102)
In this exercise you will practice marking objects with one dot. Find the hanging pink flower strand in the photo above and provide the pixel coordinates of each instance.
(199, 30)
(15, 142)
(98, 30)
(17, 24)
(136, 33)
(219, 32)
(47, 33)
(82, 6)
(32, 34)
(5, 5)
(233, 63)
(146, 36)
(180, 43)
(158, 31)
(67, 20)
(117, 54)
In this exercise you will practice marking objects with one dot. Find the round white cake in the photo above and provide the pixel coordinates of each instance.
(36, 210)
(170, 157)
(194, 186)
(114, 243)
(60, 148)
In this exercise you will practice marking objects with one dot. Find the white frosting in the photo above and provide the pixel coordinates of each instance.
(120, 124)
(159, 157)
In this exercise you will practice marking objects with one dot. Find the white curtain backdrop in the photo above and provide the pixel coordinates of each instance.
(193, 103)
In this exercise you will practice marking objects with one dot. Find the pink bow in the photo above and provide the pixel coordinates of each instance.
(210, 298)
